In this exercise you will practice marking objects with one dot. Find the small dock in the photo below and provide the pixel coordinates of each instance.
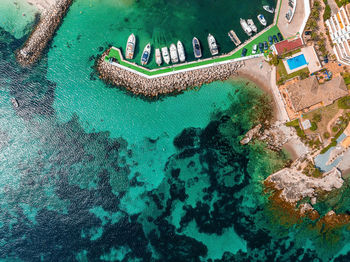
(234, 38)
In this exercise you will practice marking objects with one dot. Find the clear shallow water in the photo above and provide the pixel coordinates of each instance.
(90, 173)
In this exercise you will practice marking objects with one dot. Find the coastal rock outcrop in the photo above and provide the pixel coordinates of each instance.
(165, 84)
(42, 33)
(250, 134)
(295, 186)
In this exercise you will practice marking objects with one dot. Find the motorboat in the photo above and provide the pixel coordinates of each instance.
(181, 51)
(196, 48)
(165, 54)
(262, 19)
(14, 102)
(212, 45)
(146, 54)
(130, 47)
(269, 9)
(251, 24)
(246, 28)
(158, 57)
(173, 54)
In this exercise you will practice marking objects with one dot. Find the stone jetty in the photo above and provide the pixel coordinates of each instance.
(43, 32)
(166, 84)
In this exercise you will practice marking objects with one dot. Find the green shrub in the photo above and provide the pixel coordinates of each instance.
(326, 135)
(317, 117)
(327, 13)
(313, 126)
(332, 144)
(293, 123)
(335, 129)
(344, 103)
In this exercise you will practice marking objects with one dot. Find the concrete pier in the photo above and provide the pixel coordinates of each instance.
(164, 84)
(43, 33)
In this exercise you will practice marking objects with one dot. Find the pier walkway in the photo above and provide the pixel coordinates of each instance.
(233, 56)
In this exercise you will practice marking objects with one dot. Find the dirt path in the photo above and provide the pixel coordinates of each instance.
(340, 112)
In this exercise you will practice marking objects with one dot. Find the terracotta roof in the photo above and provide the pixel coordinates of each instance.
(306, 93)
(288, 45)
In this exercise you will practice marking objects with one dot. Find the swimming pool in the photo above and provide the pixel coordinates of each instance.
(296, 62)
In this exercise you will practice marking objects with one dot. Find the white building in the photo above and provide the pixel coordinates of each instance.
(339, 31)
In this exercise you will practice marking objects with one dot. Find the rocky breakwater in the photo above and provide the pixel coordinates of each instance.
(43, 32)
(166, 84)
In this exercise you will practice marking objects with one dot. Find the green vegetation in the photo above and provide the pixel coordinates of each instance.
(317, 117)
(342, 2)
(295, 124)
(291, 53)
(332, 144)
(326, 135)
(344, 103)
(284, 76)
(346, 77)
(335, 129)
(327, 12)
(311, 170)
(313, 126)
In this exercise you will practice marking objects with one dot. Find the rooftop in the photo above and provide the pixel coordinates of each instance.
(306, 93)
(288, 45)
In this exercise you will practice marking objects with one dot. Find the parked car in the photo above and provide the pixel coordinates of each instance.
(266, 46)
(275, 38)
(255, 49)
(280, 37)
(308, 32)
(270, 40)
(244, 52)
(261, 47)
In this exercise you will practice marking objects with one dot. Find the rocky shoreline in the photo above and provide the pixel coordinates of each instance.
(42, 33)
(167, 84)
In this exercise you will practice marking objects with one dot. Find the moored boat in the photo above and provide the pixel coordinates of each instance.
(262, 19)
(130, 47)
(173, 54)
(181, 51)
(251, 24)
(146, 54)
(14, 102)
(212, 45)
(234, 37)
(196, 48)
(158, 57)
(269, 9)
(165, 54)
(246, 27)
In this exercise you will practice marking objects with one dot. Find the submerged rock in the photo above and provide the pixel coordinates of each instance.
(250, 134)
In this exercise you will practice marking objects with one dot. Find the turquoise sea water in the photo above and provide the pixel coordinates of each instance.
(92, 173)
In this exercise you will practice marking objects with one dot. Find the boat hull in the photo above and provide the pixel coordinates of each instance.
(196, 48)
(130, 47)
(146, 54)
(181, 51)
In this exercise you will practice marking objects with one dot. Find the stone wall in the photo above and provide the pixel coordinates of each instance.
(43, 33)
(178, 82)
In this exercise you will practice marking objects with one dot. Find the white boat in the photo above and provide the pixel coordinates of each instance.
(130, 47)
(173, 54)
(146, 54)
(14, 102)
(246, 27)
(269, 9)
(158, 57)
(212, 45)
(181, 51)
(165, 54)
(262, 19)
(251, 24)
(234, 37)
